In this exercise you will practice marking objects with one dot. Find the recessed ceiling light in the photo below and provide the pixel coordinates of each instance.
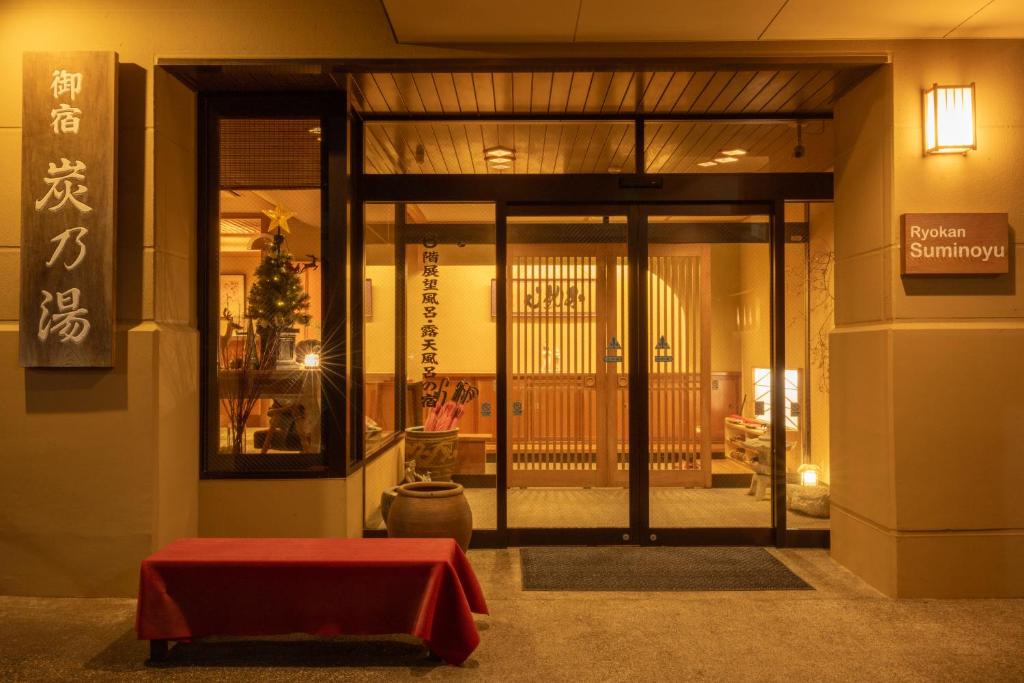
(738, 152)
(726, 160)
(707, 163)
(499, 152)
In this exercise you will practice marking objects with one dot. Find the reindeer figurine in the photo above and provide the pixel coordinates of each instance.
(229, 331)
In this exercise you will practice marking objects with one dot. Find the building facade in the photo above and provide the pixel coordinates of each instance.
(102, 466)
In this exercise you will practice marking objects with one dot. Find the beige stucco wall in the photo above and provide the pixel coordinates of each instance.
(926, 385)
(822, 246)
(100, 467)
(273, 508)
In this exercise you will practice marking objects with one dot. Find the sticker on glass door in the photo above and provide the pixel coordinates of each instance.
(613, 352)
(661, 351)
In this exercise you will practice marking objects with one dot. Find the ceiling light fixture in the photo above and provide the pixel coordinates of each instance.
(726, 160)
(737, 152)
(949, 112)
(707, 163)
(499, 152)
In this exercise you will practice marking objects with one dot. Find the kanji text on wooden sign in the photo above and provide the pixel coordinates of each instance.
(68, 208)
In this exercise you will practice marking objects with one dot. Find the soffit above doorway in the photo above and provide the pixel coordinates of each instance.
(588, 21)
(611, 83)
(550, 147)
(766, 90)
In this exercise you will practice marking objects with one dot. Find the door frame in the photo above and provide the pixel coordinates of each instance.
(639, 531)
(547, 192)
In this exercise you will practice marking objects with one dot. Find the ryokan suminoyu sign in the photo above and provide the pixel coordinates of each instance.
(955, 243)
(68, 208)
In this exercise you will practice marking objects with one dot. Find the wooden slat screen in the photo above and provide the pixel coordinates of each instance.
(554, 422)
(269, 153)
(678, 365)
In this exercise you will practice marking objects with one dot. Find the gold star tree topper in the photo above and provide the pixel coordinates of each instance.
(279, 219)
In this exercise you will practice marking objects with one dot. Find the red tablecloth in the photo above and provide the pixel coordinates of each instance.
(246, 587)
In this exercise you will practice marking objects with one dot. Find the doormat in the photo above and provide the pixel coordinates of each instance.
(623, 568)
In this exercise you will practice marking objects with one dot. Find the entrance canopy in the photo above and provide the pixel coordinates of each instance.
(694, 88)
(432, 117)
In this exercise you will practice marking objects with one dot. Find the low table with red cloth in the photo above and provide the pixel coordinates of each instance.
(355, 586)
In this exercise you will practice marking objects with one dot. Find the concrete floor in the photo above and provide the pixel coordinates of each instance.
(671, 507)
(576, 508)
(841, 631)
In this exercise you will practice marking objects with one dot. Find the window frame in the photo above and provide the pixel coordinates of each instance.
(330, 108)
(363, 455)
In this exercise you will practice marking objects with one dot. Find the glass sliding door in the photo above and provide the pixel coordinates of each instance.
(568, 371)
(708, 312)
(429, 331)
(622, 361)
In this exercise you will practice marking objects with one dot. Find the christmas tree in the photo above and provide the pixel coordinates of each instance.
(277, 300)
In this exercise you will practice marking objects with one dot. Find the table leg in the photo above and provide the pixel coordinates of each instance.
(157, 650)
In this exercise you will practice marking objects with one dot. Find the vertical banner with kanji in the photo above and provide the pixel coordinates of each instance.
(68, 208)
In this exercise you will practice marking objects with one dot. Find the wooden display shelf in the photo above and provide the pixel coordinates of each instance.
(737, 433)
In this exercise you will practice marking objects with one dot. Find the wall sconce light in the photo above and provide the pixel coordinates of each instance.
(311, 361)
(949, 119)
(809, 474)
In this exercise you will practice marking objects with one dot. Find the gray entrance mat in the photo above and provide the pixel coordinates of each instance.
(625, 568)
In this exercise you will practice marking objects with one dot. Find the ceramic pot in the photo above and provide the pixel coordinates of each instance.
(387, 499)
(431, 509)
(435, 453)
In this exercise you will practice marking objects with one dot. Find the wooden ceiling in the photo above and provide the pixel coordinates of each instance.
(446, 147)
(766, 91)
(566, 120)
(540, 147)
(679, 146)
(460, 116)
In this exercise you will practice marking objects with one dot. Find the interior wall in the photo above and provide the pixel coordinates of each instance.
(380, 326)
(755, 317)
(725, 293)
(467, 334)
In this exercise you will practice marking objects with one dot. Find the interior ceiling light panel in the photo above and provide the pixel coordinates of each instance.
(499, 152)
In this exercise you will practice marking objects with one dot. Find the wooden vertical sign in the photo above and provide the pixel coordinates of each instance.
(68, 208)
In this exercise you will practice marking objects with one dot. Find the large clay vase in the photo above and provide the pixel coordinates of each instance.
(387, 499)
(435, 453)
(431, 509)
